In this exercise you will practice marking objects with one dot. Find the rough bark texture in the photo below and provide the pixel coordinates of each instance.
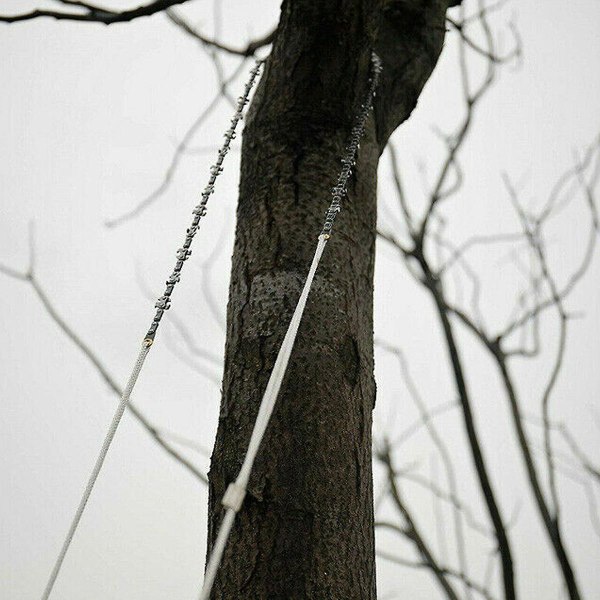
(306, 527)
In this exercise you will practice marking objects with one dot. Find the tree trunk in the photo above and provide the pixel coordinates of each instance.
(306, 527)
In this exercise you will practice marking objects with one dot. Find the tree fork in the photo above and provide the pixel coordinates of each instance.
(306, 527)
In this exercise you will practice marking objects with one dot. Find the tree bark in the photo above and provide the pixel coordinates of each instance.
(306, 527)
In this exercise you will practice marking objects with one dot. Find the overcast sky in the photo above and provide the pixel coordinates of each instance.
(89, 118)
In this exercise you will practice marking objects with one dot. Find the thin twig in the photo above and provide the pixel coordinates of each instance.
(93, 14)
(154, 432)
(251, 47)
(175, 160)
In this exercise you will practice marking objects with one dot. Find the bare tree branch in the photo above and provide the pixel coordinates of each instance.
(93, 14)
(399, 187)
(250, 50)
(181, 147)
(515, 53)
(411, 530)
(444, 453)
(471, 99)
(154, 432)
(192, 347)
(450, 498)
(470, 584)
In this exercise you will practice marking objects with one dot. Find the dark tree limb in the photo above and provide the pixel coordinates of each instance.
(91, 13)
(489, 494)
(249, 50)
(474, 586)
(444, 453)
(532, 234)
(411, 530)
(431, 279)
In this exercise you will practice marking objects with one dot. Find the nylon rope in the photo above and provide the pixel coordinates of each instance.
(234, 495)
(162, 304)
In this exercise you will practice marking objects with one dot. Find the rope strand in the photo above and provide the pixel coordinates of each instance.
(235, 493)
(162, 304)
(110, 434)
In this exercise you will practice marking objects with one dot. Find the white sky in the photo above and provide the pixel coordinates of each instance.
(88, 119)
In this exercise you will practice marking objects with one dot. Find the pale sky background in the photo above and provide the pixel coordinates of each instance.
(89, 116)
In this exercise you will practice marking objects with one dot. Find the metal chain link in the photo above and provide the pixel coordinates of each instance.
(349, 158)
(164, 302)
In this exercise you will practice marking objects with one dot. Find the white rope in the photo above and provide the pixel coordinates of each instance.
(234, 495)
(162, 304)
(217, 553)
(110, 434)
(233, 498)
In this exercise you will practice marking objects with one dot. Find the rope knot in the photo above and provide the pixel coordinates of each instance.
(234, 496)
